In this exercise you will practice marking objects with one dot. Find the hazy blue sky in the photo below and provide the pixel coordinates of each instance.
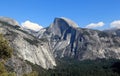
(43, 12)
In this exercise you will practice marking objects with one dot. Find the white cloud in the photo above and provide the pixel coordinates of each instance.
(30, 25)
(115, 24)
(94, 25)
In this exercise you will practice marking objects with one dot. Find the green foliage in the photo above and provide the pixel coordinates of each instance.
(5, 53)
(100, 67)
(12, 74)
(71, 67)
(5, 49)
(3, 71)
(2, 68)
(34, 73)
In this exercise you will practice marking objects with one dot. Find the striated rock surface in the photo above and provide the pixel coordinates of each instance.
(67, 40)
(28, 47)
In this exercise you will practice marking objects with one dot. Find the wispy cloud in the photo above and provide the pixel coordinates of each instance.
(94, 25)
(115, 24)
(30, 25)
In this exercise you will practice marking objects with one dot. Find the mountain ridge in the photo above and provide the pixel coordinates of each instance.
(77, 42)
(62, 39)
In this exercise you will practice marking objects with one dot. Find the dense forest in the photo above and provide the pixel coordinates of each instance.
(71, 67)
(99, 67)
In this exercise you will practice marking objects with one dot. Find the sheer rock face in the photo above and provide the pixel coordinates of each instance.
(67, 40)
(27, 46)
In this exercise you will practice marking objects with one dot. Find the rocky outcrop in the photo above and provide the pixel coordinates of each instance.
(9, 20)
(18, 66)
(27, 46)
(67, 40)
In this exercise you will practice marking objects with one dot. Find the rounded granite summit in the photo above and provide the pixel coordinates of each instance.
(70, 22)
(61, 25)
(9, 20)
